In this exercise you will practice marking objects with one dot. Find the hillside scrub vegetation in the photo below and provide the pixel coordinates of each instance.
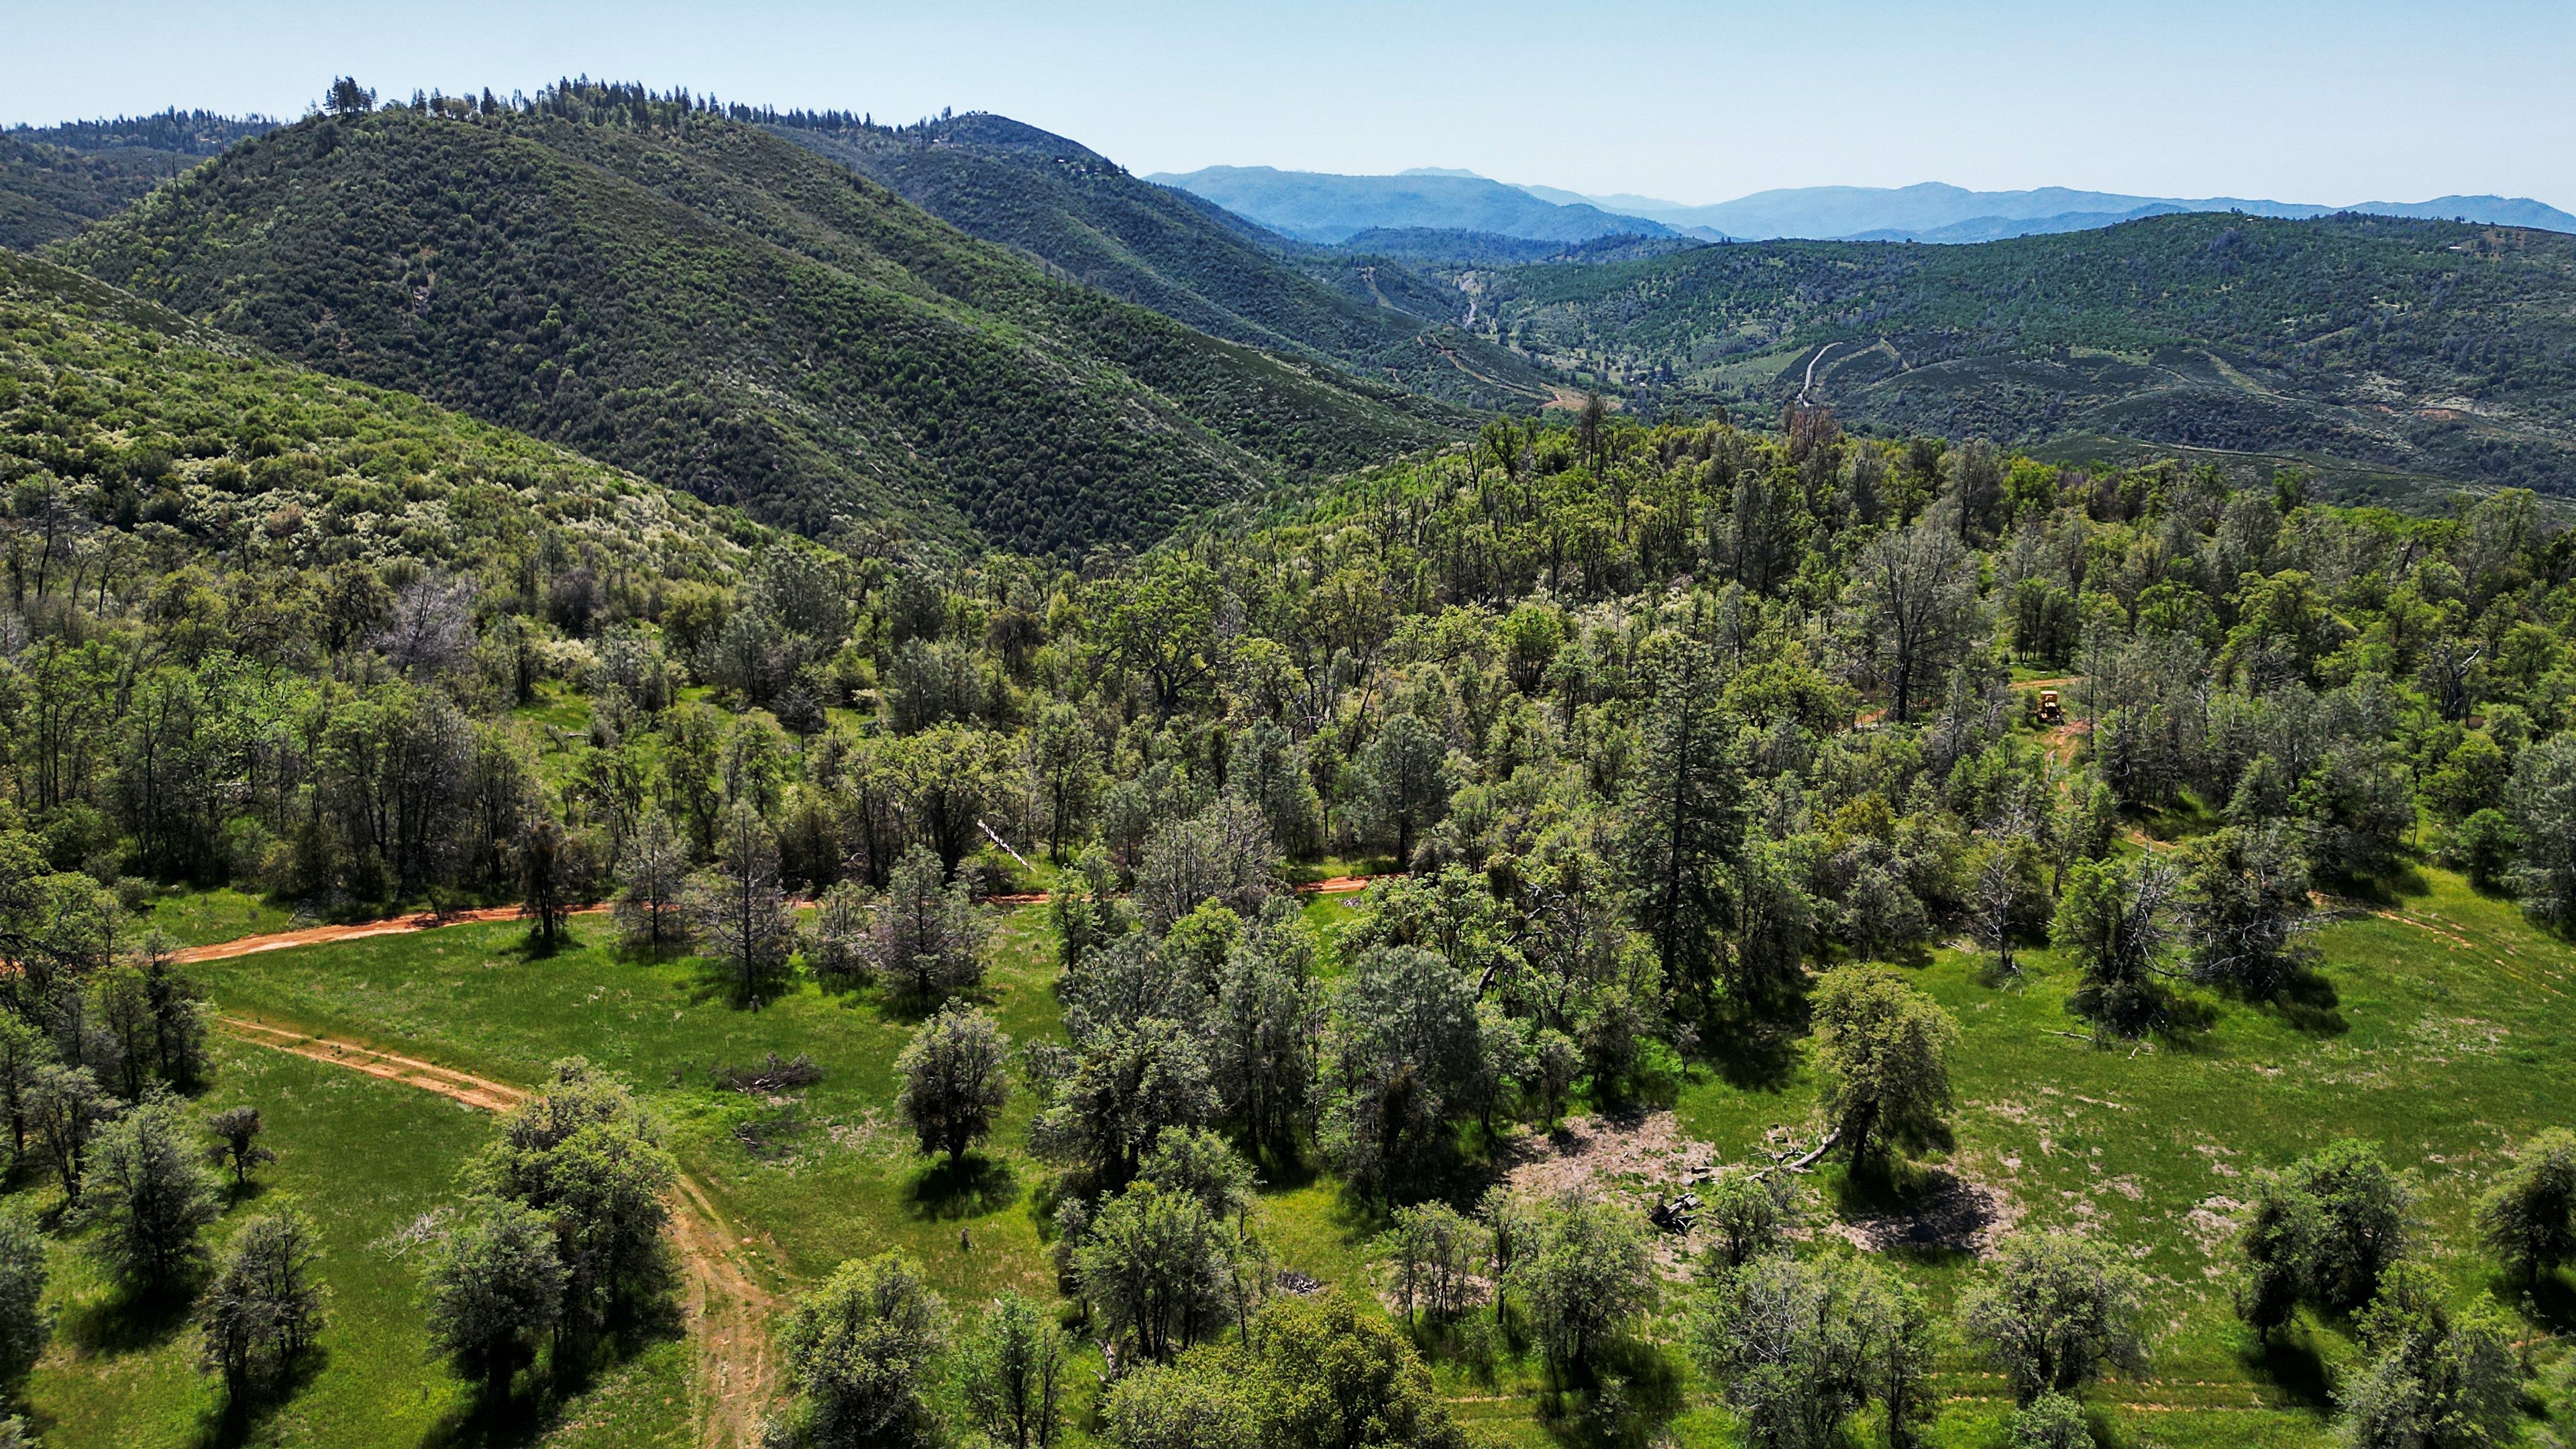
(1163, 248)
(2431, 347)
(55, 180)
(678, 292)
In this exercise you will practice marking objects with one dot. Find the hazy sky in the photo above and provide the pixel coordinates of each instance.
(2359, 100)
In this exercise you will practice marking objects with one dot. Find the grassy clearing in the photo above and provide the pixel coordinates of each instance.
(201, 918)
(2444, 1039)
(365, 1159)
(826, 1174)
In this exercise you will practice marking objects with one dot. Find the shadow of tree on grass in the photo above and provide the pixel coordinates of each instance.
(245, 1418)
(118, 1323)
(974, 1186)
(2290, 1362)
(1624, 1398)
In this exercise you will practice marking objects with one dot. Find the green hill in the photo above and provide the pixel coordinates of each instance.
(1162, 248)
(133, 439)
(2431, 347)
(55, 180)
(48, 192)
(726, 312)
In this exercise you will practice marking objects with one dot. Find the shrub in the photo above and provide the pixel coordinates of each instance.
(495, 1285)
(265, 1306)
(149, 1198)
(2055, 1310)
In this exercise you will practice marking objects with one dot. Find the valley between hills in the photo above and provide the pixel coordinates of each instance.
(682, 775)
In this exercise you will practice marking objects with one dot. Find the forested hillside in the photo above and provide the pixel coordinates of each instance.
(55, 180)
(2373, 347)
(725, 312)
(2426, 346)
(264, 519)
(1612, 928)
(1697, 765)
(1160, 248)
(47, 192)
(173, 132)
(1455, 250)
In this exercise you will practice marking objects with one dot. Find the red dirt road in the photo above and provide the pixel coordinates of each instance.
(357, 931)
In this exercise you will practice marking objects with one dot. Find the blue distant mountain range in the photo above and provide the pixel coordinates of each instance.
(1325, 208)
(1314, 206)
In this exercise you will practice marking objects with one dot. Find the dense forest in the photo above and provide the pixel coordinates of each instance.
(689, 296)
(266, 519)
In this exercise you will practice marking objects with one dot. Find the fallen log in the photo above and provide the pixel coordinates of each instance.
(1812, 1158)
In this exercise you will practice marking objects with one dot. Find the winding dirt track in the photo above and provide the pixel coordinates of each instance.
(729, 1314)
(726, 1308)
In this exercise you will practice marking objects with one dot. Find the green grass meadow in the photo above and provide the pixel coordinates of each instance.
(202, 918)
(2444, 1038)
(826, 1173)
(365, 1159)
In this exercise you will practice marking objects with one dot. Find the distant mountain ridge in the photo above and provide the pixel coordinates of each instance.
(1329, 209)
(1932, 211)
(1315, 206)
(2003, 228)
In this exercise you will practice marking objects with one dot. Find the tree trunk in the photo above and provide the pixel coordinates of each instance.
(1863, 1124)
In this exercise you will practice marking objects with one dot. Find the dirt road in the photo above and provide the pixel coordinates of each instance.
(729, 1314)
(1810, 384)
(473, 1091)
(727, 1309)
(424, 921)
(323, 935)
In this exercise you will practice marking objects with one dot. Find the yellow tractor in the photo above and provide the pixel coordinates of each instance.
(2050, 712)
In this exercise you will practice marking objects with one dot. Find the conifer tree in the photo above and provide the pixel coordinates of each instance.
(1681, 827)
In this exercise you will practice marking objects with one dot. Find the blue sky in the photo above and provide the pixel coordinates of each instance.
(2361, 100)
